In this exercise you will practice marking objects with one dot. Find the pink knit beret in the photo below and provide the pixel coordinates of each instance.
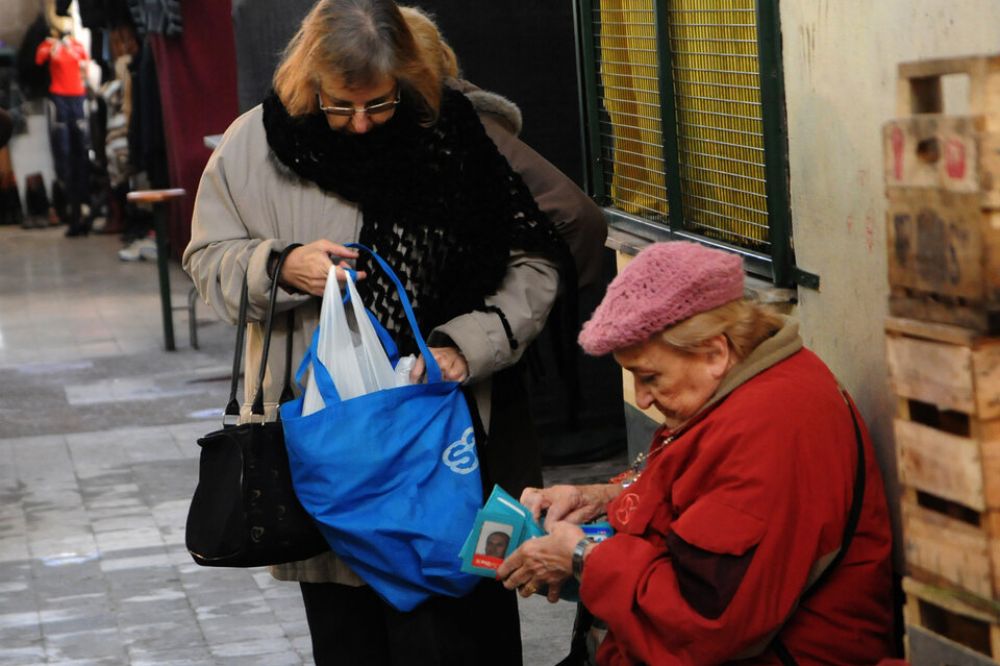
(664, 284)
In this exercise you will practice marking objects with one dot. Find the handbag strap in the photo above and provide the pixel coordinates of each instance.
(850, 528)
(232, 412)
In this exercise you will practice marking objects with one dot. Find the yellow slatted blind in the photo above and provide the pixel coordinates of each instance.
(631, 133)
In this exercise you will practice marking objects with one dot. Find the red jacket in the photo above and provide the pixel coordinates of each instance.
(716, 540)
(64, 65)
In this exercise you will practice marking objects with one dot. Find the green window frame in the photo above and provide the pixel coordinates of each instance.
(708, 161)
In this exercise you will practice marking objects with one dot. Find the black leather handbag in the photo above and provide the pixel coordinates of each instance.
(244, 512)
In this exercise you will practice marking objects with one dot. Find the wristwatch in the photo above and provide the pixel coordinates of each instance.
(578, 552)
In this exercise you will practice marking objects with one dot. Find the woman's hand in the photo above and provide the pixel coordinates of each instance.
(306, 267)
(547, 560)
(576, 504)
(454, 367)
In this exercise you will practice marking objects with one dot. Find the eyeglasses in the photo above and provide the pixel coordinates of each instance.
(349, 111)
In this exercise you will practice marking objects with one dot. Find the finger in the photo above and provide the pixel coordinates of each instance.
(577, 516)
(336, 249)
(513, 581)
(557, 511)
(531, 498)
(510, 564)
(341, 274)
(358, 275)
(418, 370)
(553, 594)
(528, 589)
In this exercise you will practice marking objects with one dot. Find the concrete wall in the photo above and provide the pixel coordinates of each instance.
(840, 59)
(17, 15)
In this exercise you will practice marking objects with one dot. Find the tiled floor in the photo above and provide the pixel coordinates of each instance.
(97, 464)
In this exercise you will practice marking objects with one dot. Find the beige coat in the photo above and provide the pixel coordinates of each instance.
(248, 204)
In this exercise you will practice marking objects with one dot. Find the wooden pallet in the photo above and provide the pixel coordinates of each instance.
(962, 621)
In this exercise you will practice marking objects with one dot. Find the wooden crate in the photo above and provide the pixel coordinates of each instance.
(947, 434)
(953, 547)
(951, 367)
(960, 620)
(920, 90)
(925, 648)
(942, 175)
(944, 258)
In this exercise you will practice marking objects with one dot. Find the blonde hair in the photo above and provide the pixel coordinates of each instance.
(360, 41)
(430, 42)
(745, 324)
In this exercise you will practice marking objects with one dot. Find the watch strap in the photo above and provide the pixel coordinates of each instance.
(578, 553)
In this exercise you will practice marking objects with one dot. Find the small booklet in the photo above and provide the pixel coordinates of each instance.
(501, 526)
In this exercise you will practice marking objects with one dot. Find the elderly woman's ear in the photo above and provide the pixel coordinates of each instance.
(719, 356)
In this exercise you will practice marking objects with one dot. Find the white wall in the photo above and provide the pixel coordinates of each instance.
(840, 60)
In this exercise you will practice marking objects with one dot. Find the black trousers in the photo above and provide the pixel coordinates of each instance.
(70, 143)
(353, 626)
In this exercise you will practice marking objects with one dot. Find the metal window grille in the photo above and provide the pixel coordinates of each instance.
(706, 159)
(720, 135)
(631, 135)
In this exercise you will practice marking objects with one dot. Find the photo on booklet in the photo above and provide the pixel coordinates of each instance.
(495, 536)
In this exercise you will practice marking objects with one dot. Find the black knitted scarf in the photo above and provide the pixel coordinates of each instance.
(441, 205)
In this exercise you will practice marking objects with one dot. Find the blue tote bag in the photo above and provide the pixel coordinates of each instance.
(391, 477)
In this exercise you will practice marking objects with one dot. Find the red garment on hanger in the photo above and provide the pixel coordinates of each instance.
(64, 58)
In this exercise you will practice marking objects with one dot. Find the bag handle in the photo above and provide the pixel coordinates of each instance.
(232, 412)
(433, 371)
(383, 335)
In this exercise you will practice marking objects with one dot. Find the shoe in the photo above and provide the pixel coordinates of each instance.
(130, 252)
(147, 250)
(75, 232)
(140, 248)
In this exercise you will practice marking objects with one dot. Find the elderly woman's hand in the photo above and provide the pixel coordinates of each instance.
(306, 267)
(546, 560)
(576, 504)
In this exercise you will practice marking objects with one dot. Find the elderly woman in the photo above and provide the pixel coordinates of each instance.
(362, 141)
(755, 528)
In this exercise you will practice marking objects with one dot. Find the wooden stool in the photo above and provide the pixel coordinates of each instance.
(157, 198)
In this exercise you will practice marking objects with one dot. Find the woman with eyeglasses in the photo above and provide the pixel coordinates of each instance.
(361, 140)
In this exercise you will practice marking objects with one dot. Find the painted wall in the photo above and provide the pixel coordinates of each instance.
(840, 59)
(17, 16)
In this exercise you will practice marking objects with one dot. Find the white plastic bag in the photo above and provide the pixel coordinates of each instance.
(349, 348)
(376, 370)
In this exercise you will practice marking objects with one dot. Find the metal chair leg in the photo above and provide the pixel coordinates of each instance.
(160, 221)
(192, 317)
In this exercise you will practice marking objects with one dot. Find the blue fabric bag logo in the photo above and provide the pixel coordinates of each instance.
(391, 477)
